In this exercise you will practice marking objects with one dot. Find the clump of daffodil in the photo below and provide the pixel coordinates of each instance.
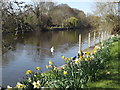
(36, 84)
(77, 61)
(28, 72)
(19, 85)
(37, 68)
(65, 72)
(50, 62)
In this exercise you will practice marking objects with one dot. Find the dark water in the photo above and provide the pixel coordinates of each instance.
(33, 49)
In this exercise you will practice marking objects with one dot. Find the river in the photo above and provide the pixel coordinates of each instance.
(33, 49)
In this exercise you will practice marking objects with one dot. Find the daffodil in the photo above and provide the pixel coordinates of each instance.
(28, 72)
(88, 53)
(63, 57)
(9, 87)
(65, 72)
(37, 68)
(92, 57)
(76, 61)
(50, 66)
(81, 58)
(94, 51)
(88, 58)
(71, 57)
(50, 62)
(68, 58)
(19, 85)
(42, 74)
(97, 47)
(36, 84)
(47, 66)
(35, 75)
(55, 68)
(29, 79)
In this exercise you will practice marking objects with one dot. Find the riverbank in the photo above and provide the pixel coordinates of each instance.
(82, 72)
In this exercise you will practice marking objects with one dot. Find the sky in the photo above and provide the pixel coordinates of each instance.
(84, 5)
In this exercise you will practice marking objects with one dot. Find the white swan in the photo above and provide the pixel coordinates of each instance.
(52, 49)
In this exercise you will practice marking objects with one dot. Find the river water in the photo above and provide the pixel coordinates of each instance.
(33, 49)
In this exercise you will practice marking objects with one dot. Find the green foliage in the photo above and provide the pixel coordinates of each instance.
(72, 22)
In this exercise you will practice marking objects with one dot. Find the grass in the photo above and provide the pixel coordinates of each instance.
(109, 77)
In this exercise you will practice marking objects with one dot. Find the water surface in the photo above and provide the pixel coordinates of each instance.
(33, 49)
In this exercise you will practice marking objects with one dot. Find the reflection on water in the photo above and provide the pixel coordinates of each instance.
(33, 49)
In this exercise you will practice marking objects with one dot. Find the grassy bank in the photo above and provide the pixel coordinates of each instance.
(109, 77)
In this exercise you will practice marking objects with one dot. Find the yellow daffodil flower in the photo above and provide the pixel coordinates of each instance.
(63, 57)
(65, 72)
(77, 61)
(55, 68)
(50, 66)
(28, 72)
(36, 84)
(37, 68)
(29, 80)
(94, 51)
(88, 58)
(19, 85)
(81, 58)
(9, 87)
(50, 62)
(42, 74)
(35, 75)
(71, 57)
(68, 58)
(47, 66)
(88, 53)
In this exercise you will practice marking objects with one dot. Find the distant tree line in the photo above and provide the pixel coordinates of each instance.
(110, 15)
(41, 16)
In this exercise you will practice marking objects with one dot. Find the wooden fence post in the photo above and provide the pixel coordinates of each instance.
(99, 37)
(88, 40)
(94, 38)
(80, 39)
(108, 34)
(105, 35)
